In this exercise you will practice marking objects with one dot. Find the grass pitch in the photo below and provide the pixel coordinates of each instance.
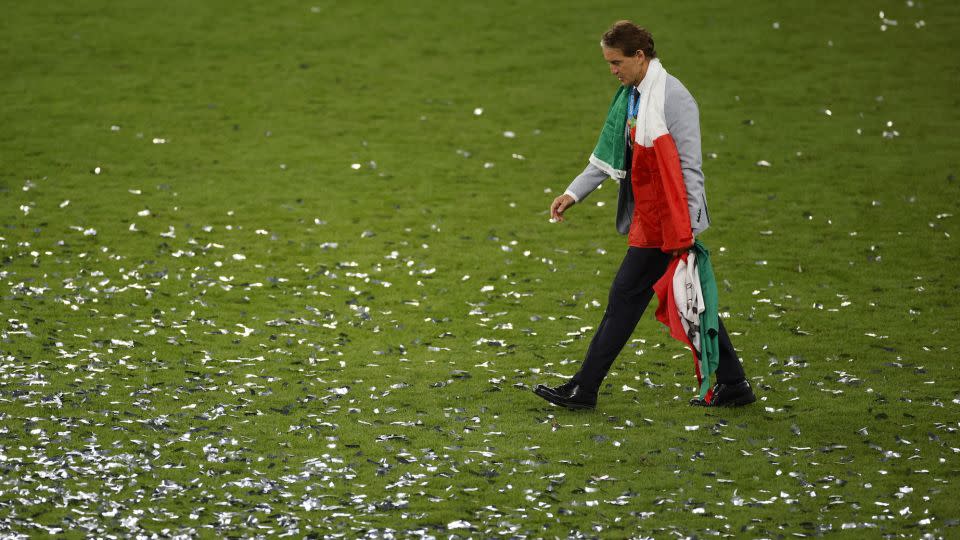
(285, 269)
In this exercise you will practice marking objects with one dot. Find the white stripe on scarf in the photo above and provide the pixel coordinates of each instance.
(651, 119)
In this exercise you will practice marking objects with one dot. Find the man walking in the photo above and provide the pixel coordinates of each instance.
(650, 142)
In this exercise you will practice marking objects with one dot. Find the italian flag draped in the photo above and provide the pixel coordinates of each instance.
(661, 215)
(610, 153)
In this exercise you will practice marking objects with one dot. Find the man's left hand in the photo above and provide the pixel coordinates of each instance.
(679, 252)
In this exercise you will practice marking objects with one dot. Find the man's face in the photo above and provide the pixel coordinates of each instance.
(629, 70)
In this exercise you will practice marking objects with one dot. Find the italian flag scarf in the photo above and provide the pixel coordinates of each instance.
(610, 153)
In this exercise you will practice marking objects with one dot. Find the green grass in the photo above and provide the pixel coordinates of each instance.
(259, 339)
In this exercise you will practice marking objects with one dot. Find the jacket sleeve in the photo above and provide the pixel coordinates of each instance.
(683, 123)
(586, 182)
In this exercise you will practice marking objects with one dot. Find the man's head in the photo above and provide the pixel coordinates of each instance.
(628, 49)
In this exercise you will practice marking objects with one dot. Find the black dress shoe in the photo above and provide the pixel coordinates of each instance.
(569, 394)
(728, 395)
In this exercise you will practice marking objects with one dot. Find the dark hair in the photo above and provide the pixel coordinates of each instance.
(629, 38)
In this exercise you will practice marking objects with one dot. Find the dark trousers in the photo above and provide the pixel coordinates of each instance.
(630, 293)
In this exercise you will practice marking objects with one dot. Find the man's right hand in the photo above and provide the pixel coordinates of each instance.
(560, 205)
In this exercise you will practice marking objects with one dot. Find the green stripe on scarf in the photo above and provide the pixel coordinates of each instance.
(611, 150)
(709, 319)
